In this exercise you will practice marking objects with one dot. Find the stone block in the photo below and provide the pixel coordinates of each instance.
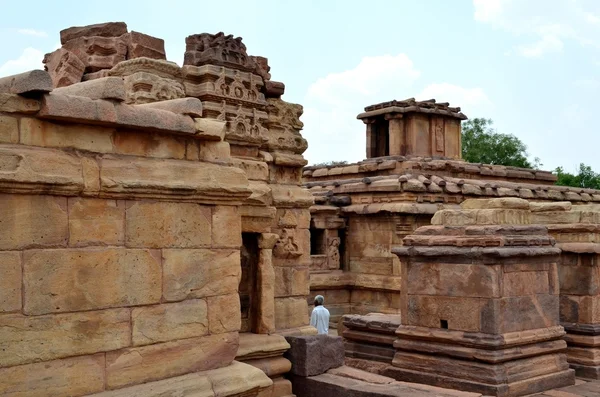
(103, 88)
(149, 145)
(91, 176)
(192, 151)
(165, 360)
(495, 203)
(521, 313)
(103, 112)
(290, 281)
(36, 132)
(210, 129)
(173, 179)
(199, 273)
(579, 280)
(224, 313)
(108, 29)
(454, 280)
(555, 217)
(13, 103)
(39, 171)
(236, 379)
(10, 282)
(272, 366)
(9, 129)
(97, 52)
(25, 339)
(169, 321)
(32, 82)
(185, 106)
(291, 312)
(64, 67)
(261, 346)
(163, 224)
(215, 152)
(96, 222)
(314, 355)
(226, 227)
(461, 313)
(32, 221)
(76, 376)
(143, 45)
(255, 170)
(525, 283)
(65, 280)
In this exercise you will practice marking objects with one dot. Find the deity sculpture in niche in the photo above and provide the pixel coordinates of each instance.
(333, 253)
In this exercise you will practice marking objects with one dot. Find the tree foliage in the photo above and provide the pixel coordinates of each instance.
(482, 144)
(329, 164)
(585, 177)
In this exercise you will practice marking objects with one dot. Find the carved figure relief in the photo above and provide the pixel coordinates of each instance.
(236, 88)
(286, 247)
(145, 87)
(333, 253)
(217, 49)
(439, 135)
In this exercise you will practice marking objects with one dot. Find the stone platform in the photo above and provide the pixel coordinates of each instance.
(348, 381)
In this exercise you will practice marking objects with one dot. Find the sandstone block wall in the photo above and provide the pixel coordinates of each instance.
(139, 235)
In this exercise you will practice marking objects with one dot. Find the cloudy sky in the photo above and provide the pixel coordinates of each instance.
(533, 66)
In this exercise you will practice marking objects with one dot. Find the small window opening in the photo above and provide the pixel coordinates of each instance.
(444, 324)
(317, 242)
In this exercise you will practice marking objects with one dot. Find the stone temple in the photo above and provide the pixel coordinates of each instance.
(161, 235)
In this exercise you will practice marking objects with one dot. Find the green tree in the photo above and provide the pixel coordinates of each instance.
(585, 177)
(329, 164)
(482, 144)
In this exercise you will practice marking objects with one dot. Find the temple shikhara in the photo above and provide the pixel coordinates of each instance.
(162, 235)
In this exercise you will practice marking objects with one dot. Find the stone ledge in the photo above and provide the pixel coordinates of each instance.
(30, 170)
(255, 346)
(150, 117)
(478, 339)
(237, 379)
(32, 82)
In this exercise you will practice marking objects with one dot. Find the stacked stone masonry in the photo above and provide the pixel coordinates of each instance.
(480, 290)
(144, 239)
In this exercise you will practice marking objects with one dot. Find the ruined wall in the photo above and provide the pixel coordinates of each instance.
(124, 222)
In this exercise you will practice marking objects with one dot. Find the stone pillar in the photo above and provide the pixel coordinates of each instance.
(396, 132)
(577, 232)
(266, 284)
(480, 303)
(371, 139)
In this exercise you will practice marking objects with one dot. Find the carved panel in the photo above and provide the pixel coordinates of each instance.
(217, 49)
(143, 87)
(287, 247)
(438, 128)
(333, 253)
(214, 83)
(284, 127)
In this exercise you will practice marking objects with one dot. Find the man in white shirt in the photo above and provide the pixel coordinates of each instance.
(320, 316)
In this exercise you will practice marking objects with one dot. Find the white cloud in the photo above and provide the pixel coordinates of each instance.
(332, 103)
(33, 32)
(467, 98)
(29, 59)
(545, 27)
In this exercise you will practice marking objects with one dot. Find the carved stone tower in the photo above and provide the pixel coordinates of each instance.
(409, 127)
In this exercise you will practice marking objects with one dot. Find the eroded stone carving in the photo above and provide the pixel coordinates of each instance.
(217, 49)
(64, 67)
(286, 247)
(284, 127)
(98, 53)
(333, 253)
